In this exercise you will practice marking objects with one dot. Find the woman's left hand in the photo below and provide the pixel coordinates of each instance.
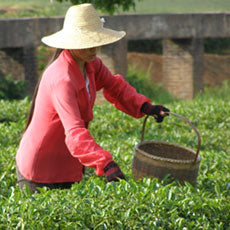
(157, 111)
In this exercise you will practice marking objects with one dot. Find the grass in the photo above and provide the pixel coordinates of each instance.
(31, 8)
(130, 204)
(182, 6)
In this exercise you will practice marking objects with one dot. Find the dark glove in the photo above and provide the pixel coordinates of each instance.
(113, 172)
(154, 110)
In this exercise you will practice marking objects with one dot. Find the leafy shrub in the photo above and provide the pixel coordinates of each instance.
(13, 111)
(12, 89)
(130, 204)
(145, 46)
(217, 45)
(143, 84)
(108, 6)
(41, 56)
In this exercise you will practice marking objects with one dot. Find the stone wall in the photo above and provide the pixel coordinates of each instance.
(183, 67)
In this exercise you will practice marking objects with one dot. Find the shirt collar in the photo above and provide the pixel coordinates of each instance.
(70, 59)
(80, 78)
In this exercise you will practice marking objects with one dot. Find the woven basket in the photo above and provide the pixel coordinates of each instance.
(158, 158)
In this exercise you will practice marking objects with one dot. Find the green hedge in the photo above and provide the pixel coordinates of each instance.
(11, 88)
(143, 204)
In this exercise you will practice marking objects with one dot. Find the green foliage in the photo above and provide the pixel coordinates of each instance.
(35, 8)
(13, 111)
(211, 45)
(145, 46)
(32, 8)
(143, 84)
(142, 204)
(107, 6)
(217, 45)
(181, 6)
(11, 88)
(42, 59)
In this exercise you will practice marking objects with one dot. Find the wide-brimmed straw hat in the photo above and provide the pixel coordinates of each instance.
(82, 28)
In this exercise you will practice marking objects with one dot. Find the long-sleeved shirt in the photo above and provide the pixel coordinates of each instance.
(57, 143)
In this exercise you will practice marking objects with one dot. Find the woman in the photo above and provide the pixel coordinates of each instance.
(57, 144)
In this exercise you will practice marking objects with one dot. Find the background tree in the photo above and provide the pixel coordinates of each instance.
(109, 6)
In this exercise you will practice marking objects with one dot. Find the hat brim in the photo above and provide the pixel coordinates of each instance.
(82, 39)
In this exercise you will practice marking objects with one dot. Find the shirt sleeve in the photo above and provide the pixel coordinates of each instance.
(119, 92)
(78, 139)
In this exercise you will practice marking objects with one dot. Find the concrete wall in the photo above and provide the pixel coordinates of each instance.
(24, 34)
(19, 32)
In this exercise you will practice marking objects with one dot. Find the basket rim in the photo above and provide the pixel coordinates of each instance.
(168, 159)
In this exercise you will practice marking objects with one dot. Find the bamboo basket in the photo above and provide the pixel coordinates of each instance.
(159, 158)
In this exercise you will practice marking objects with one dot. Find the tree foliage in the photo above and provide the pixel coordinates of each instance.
(109, 6)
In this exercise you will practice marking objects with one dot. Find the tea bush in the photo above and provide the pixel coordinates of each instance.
(130, 204)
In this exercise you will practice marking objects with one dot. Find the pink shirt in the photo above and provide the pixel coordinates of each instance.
(57, 143)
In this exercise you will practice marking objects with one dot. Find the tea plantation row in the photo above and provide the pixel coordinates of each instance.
(130, 204)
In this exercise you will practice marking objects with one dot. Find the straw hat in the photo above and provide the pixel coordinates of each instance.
(82, 29)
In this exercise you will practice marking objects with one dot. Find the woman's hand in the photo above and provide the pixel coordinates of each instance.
(113, 172)
(157, 111)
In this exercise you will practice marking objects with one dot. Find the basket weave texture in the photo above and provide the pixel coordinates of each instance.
(158, 159)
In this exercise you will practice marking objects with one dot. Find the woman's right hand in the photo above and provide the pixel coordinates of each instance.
(113, 172)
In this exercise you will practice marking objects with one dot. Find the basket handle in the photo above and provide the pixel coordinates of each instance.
(186, 120)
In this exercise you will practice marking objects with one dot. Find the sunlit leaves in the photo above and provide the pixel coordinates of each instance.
(142, 204)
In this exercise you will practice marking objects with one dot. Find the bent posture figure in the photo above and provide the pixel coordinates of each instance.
(57, 144)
